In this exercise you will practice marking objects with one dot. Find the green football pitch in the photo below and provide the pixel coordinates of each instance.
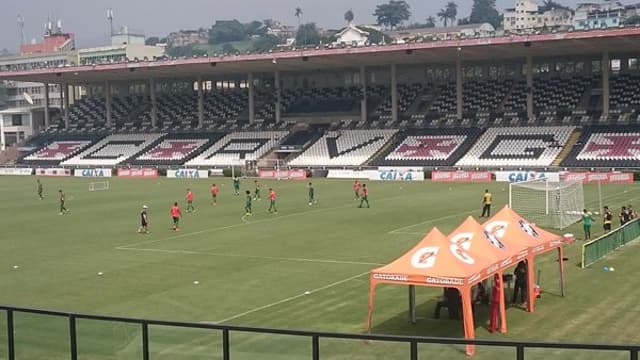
(256, 271)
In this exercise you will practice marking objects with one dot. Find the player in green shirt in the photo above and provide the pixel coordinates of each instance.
(40, 190)
(236, 186)
(312, 194)
(587, 221)
(256, 195)
(247, 205)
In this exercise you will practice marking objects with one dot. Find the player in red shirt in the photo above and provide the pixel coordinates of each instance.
(214, 193)
(364, 196)
(190, 207)
(356, 189)
(272, 201)
(175, 214)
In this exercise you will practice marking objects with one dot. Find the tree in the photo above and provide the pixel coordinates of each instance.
(265, 43)
(308, 34)
(444, 17)
(152, 41)
(484, 11)
(431, 22)
(452, 11)
(348, 16)
(393, 13)
(227, 30)
(254, 28)
(227, 48)
(550, 5)
(297, 13)
(185, 51)
(375, 36)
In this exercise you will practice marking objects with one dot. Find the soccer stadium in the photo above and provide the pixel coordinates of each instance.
(431, 198)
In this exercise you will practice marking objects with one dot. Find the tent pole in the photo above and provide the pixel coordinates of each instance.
(412, 304)
(561, 264)
(531, 283)
(372, 289)
(467, 317)
(503, 307)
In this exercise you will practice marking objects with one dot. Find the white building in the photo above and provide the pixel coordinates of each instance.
(527, 15)
(351, 35)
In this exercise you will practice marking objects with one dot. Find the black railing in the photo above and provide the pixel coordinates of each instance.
(226, 330)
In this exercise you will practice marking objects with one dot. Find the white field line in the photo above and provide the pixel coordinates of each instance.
(204, 253)
(247, 223)
(264, 307)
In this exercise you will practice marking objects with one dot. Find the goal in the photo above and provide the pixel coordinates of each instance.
(548, 204)
(99, 186)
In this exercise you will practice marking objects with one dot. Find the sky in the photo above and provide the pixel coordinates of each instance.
(88, 18)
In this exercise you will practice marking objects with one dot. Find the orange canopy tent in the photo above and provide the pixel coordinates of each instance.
(512, 229)
(469, 255)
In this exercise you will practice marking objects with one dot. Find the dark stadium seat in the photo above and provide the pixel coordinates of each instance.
(615, 146)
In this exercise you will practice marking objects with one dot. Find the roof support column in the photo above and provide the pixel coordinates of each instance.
(252, 105)
(107, 94)
(2, 139)
(46, 105)
(394, 93)
(278, 104)
(363, 101)
(154, 103)
(606, 68)
(65, 95)
(459, 98)
(200, 102)
(529, 72)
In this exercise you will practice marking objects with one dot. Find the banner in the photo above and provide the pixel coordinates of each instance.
(461, 176)
(16, 171)
(351, 174)
(187, 174)
(283, 174)
(138, 173)
(518, 176)
(92, 173)
(216, 172)
(602, 177)
(398, 175)
(53, 172)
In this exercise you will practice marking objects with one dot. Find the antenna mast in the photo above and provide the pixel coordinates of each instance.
(21, 26)
(110, 18)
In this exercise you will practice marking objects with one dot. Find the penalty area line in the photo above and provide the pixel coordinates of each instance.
(291, 298)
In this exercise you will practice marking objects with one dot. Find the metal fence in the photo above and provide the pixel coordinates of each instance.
(597, 249)
(224, 331)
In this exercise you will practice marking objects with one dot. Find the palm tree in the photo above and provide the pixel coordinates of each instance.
(298, 13)
(431, 22)
(348, 16)
(444, 16)
(452, 11)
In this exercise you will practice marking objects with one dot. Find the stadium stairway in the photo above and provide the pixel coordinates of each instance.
(571, 142)
(383, 150)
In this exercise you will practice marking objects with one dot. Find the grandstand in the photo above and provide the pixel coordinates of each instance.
(439, 104)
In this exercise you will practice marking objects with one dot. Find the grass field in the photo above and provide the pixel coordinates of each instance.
(256, 271)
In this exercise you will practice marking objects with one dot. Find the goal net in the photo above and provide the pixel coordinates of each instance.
(99, 186)
(548, 204)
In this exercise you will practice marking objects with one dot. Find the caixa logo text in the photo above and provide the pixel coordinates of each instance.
(93, 173)
(188, 174)
(525, 176)
(396, 175)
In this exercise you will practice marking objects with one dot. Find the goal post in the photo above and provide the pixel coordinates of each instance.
(548, 204)
(98, 186)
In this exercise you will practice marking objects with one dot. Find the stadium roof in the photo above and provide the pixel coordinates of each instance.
(579, 43)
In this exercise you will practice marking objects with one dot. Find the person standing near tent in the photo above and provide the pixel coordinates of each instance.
(486, 203)
(607, 219)
(587, 220)
(520, 288)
